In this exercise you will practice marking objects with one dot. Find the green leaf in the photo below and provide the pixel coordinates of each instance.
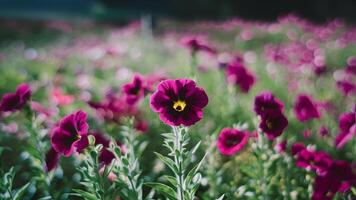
(84, 194)
(171, 179)
(163, 189)
(221, 198)
(45, 198)
(169, 162)
(19, 193)
(193, 171)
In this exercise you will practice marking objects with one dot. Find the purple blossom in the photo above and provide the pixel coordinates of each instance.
(266, 101)
(238, 74)
(273, 123)
(179, 102)
(305, 108)
(134, 91)
(16, 101)
(71, 134)
(232, 141)
(347, 125)
(52, 159)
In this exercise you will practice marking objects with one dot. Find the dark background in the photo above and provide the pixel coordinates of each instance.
(121, 10)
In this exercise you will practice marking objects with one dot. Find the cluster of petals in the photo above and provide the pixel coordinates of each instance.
(232, 141)
(134, 91)
(197, 43)
(332, 175)
(273, 122)
(179, 102)
(347, 126)
(305, 108)
(70, 134)
(16, 101)
(238, 74)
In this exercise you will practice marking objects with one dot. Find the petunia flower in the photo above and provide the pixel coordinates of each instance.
(314, 160)
(197, 43)
(305, 108)
(266, 101)
(338, 178)
(323, 131)
(16, 101)
(134, 91)
(273, 123)
(281, 146)
(232, 141)
(347, 125)
(70, 134)
(297, 147)
(346, 87)
(238, 74)
(179, 102)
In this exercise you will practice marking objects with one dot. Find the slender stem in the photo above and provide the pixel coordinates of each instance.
(178, 159)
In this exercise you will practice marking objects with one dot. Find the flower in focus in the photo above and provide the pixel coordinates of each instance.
(16, 101)
(238, 74)
(273, 123)
(266, 101)
(232, 141)
(347, 125)
(134, 91)
(305, 108)
(71, 134)
(52, 159)
(197, 43)
(179, 102)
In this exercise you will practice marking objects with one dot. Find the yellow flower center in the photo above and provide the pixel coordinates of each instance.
(179, 105)
(269, 124)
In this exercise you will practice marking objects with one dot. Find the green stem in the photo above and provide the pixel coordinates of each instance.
(178, 159)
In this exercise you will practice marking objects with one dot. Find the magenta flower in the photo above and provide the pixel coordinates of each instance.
(266, 101)
(71, 134)
(311, 160)
(179, 102)
(232, 141)
(238, 74)
(52, 159)
(297, 147)
(323, 131)
(16, 101)
(134, 91)
(346, 87)
(273, 123)
(281, 147)
(347, 125)
(338, 178)
(305, 108)
(197, 43)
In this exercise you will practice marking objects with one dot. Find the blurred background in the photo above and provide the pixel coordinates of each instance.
(122, 10)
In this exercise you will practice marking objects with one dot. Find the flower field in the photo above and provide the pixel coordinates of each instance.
(229, 110)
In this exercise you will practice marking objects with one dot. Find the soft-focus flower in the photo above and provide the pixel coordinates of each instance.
(314, 160)
(281, 146)
(347, 125)
(134, 91)
(273, 123)
(238, 74)
(52, 159)
(297, 147)
(305, 108)
(105, 155)
(179, 102)
(70, 134)
(16, 101)
(346, 87)
(323, 131)
(196, 43)
(59, 98)
(338, 178)
(232, 141)
(266, 101)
